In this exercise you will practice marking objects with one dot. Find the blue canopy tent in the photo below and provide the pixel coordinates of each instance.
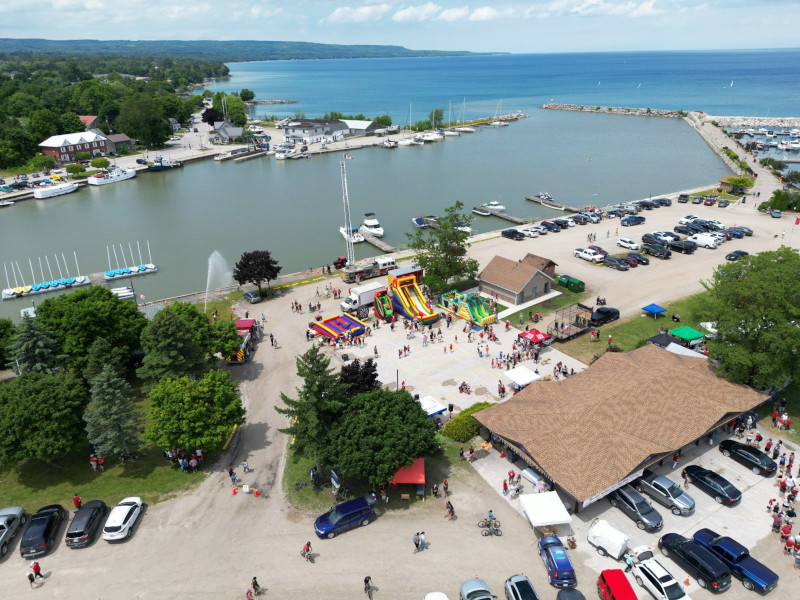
(655, 309)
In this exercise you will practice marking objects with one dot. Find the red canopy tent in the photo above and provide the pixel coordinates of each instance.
(535, 336)
(414, 474)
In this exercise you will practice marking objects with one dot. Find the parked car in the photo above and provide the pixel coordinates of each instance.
(603, 315)
(753, 574)
(539, 228)
(141, 161)
(716, 486)
(703, 239)
(580, 219)
(476, 589)
(665, 491)
(627, 243)
(613, 262)
(195, 129)
(598, 249)
(519, 587)
(683, 198)
(696, 228)
(688, 219)
(530, 231)
(669, 235)
(708, 202)
(175, 138)
(697, 200)
(564, 222)
(569, 594)
(122, 519)
(631, 262)
(652, 576)
(614, 212)
(736, 255)
(723, 203)
(656, 250)
(591, 255)
(639, 258)
(752, 458)
(550, 226)
(593, 217)
(632, 220)
(346, 516)
(699, 562)
(612, 584)
(745, 230)
(252, 297)
(686, 247)
(683, 229)
(559, 568)
(12, 518)
(40, 536)
(654, 238)
(512, 234)
(5, 188)
(633, 504)
(663, 201)
(734, 233)
(85, 524)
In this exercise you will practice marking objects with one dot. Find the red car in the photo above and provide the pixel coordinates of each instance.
(629, 261)
(708, 202)
(599, 249)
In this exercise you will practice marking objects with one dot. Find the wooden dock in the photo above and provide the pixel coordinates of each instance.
(553, 205)
(504, 215)
(378, 243)
(249, 156)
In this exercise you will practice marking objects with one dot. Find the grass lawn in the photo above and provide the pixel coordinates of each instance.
(791, 394)
(553, 304)
(34, 484)
(631, 333)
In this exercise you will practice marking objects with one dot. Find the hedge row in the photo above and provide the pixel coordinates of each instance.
(464, 427)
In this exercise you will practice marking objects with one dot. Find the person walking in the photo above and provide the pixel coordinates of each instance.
(76, 501)
(245, 469)
(415, 539)
(685, 480)
(232, 475)
(445, 487)
(30, 576)
(423, 545)
(628, 562)
(675, 458)
(37, 570)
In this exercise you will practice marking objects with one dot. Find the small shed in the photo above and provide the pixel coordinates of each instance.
(519, 281)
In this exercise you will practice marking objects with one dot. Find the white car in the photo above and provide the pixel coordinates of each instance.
(717, 222)
(688, 219)
(652, 576)
(627, 243)
(175, 138)
(703, 239)
(529, 232)
(538, 228)
(122, 518)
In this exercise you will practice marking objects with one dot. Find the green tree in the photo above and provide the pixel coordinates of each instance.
(170, 348)
(247, 95)
(360, 377)
(75, 168)
(82, 156)
(77, 319)
(211, 116)
(207, 93)
(211, 337)
(756, 308)
(436, 117)
(42, 124)
(313, 414)
(43, 162)
(256, 267)
(100, 163)
(381, 432)
(40, 416)
(443, 252)
(743, 182)
(111, 417)
(184, 413)
(69, 122)
(7, 333)
(101, 355)
(383, 121)
(33, 349)
(141, 117)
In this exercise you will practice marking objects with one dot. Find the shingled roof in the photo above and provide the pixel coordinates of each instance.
(592, 430)
(509, 274)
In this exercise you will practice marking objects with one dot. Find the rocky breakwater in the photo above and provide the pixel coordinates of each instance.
(617, 110)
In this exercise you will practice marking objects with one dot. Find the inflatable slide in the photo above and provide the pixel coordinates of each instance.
(336, 327)
(383, 305)
(469, 307)
(408, 300)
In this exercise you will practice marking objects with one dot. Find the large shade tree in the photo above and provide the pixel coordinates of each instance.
(33, 349)
(111, 417)
(756, 308)
(256, 267)
(170, 348)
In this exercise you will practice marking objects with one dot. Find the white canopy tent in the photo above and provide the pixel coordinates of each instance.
(545, 509)
(678, 349)
(521, 376)
(432, 406)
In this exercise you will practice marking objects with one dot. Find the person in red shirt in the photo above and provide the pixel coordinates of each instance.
(37, 569)
(775, 415)
(76, 500)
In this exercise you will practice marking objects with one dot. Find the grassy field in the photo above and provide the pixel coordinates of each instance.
(565, 299)
(631, 333)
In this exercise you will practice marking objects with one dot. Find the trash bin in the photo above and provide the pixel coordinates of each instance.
(563, 280)
(575, 285)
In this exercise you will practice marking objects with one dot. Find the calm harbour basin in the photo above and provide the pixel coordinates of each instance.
(294, 208)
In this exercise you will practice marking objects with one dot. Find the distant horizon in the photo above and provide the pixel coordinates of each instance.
(502, 26)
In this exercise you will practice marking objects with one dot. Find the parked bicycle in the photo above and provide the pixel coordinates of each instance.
(491, 531)
(494, 523)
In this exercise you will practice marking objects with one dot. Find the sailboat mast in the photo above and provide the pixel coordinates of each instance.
(351, 257)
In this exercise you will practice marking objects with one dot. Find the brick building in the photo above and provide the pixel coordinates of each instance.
(64, 147)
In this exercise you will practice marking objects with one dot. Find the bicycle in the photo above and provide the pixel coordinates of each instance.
(308, 556)
(342, 494)
(494, 524)
(491, 531)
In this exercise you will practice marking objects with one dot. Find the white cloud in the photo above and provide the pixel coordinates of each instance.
(632, 8)
(453, 14)
(489, 13)
(362, 14)
(422, 12)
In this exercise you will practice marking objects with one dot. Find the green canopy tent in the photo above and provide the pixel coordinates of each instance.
(686, 333)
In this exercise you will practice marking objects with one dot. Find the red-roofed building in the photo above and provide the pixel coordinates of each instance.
(88, 120)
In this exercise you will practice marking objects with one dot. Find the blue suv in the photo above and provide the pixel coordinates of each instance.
(754, 575)
(346, 515)
(632, 220)
(559, 568)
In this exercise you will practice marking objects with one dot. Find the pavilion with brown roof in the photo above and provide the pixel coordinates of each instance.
(517, 282)
(597, 430)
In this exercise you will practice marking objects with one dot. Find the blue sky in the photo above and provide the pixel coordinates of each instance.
(505, 26)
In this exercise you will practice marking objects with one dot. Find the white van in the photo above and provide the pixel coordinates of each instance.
(703, 239)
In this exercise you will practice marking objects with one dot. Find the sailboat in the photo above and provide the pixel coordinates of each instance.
(464, 128)
(349, 233)
(450, 131)
(497, 122)
(405, 142)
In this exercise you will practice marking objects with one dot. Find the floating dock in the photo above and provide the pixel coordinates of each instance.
(130, 272)
(378, 243)
(504, 215)
(46, 286)
(553, 205)
(249, 156)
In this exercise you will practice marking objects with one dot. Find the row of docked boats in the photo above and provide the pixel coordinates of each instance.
(129, 271)
(370, 226)
(45, 286)
(430, 220)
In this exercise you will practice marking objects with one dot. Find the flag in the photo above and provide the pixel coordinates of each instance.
(350, 157)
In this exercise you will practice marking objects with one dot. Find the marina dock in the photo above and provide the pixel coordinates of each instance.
(504, 215)
(378, 243)
(249, 156)
(553, 205)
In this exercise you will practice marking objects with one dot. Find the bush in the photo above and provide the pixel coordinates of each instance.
(100, 163)
(75, 168)
(43, 162)
(464, 427)
(82, 156)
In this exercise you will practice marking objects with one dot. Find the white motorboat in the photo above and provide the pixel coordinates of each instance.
(451, 133)
(55, 190)
(405, 143)
(355, 237)
(465, 129)
(5, 203)
(417, 141)
(432, 136)
(494, 205)
(371, 225)
(112, 176)
(389, 144)
(463, 227)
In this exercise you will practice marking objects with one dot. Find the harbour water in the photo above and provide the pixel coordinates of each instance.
(294, 208)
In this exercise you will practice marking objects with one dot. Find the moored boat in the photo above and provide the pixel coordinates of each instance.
(55, 190)
(163, 163)
(371, 225)
(355, 237)
(494, 205)
(480, 211)
(112, 176)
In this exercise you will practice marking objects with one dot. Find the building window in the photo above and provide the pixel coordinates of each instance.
(70, 148)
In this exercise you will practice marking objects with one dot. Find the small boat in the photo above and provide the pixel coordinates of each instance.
(463, 227)
(421, 222)
(55, 190)
(300, 155)
(389, 144)
(404, 143)
(355, 237)
(465, 129)
(371, 225)
(5, 203)
(494, 205)
(544, 196)
(432, 136)
(450, 133)
(112, 176)
(163, 163)
(417, 141)
(479, 211)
